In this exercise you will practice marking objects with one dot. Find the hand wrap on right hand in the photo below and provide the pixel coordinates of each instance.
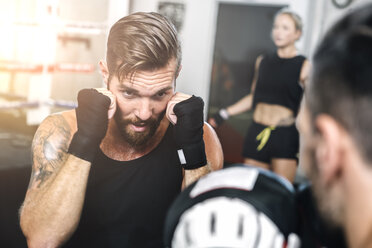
(221, 116)
(92, 122)
(188, 133)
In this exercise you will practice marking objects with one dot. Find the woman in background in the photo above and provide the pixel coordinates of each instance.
(272, 139)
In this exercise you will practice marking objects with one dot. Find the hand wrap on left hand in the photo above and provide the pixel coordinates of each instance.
(188, 133)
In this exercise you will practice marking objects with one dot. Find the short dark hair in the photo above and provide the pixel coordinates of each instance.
(341, 80)
(141, 41)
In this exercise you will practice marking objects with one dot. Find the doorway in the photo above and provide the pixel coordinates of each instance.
(243, 32)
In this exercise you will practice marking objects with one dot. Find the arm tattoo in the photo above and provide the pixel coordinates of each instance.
(49, 148)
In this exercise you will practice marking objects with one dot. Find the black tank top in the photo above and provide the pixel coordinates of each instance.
(278, 81)
(126, 202)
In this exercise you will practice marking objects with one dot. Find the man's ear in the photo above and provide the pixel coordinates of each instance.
(178, 71)
(104, 71)
(298, 34)
(329, 150)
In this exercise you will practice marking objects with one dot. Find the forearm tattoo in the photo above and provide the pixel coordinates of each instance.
(49, 149)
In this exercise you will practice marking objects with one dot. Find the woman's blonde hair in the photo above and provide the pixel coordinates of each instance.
(295, 17)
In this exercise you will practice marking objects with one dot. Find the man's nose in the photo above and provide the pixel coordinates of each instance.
(144, 109)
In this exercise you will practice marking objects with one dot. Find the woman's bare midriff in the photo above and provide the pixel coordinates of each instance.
(273, 115)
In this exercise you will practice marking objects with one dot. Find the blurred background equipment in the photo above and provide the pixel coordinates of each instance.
(48, 51)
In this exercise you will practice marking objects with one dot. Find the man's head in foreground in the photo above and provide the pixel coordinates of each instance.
(335, 123)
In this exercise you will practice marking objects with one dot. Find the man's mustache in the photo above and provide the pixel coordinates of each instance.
(138, 122)
(141, 123)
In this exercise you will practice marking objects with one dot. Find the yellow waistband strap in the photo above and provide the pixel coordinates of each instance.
(264, 137)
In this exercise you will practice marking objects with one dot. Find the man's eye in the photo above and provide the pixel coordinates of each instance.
(161, 94)
(128, 93)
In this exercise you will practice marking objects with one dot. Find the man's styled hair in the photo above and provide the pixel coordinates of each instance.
(341, 80)
(141, 41)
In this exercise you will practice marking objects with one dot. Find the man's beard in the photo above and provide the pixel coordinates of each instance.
(137, 139)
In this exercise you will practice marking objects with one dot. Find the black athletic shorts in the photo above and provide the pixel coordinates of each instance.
(283, 142)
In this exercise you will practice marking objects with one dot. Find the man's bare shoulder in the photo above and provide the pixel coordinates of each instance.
(57, 124)
(213, 148)
(70, 118)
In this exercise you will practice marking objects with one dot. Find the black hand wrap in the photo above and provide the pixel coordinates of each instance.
(92, 121)
(220, 116)
(188, 133)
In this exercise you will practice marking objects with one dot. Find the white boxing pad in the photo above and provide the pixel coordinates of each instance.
(226, 222)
